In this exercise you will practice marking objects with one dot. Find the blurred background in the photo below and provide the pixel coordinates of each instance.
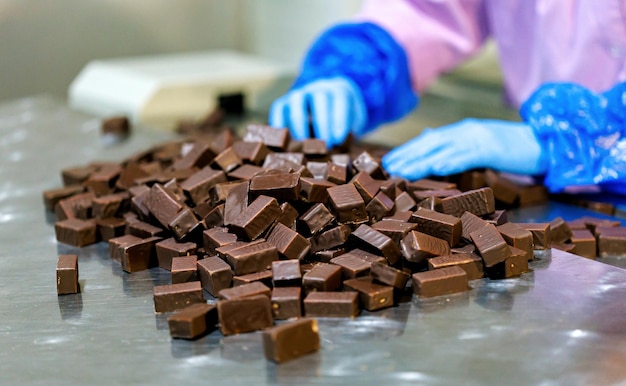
(45, 44)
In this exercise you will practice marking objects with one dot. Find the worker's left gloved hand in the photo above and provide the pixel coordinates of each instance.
(468, 144)
(334, 107)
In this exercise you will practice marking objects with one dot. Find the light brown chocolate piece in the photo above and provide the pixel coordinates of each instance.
(246, 314)
(184, 269)
(443, 226)
(256, 218)
(322, 277)
(332, 304)
(292, 340)
(479, 202)
(541, 234)
(67, 275)
(389, 275)
(245, 290)
(518, 237)
(491, 245)
(439, 282)
(585, 243)
(371, 295)
(76, 232)
(471, 264)
(418, 246)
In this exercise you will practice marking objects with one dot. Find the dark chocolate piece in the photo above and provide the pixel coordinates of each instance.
(379, 207)
(337, 174)
(403, 216)
(292, 340)
(110, 205)
(470, 223)
(193, 321)
(289, 243)
(67, 275)
(214, 274)
(498, 217)
(252, 257)
(288, 215)
(227, 160)
(479, 202)
(275, 139)
(199, 156)
(77, 175)
(396, 230)
(366, 185)
(172, 297)
(130, 173)
(332, 304)
(312, 147)
(245, 172)
(286, 273)
(404, 202)
(541, 234)
(109, 228)
(559, 230)
(282, 186)
(428, 184)
(471, 264)
(331, 238)
(256, 218)
(76, 206)
(316, 218)
(135, 254)
(163, 204)
(217, 237)
(439, 282)
(367, 256)
(117, 126)
(198, 185)
(287, 302)
(245, 290)
(314, 190)
(370, 239)
(351, 266)
(491, 245)
(437, 224)
(513, 266)
(504, 190)
(418, 246)
(264, 277)
(371, 295)
(53, 196)
(611, 241)
(244, 314)
(420, 195)
(585, 243)
(518, 237)
(389, 275)
(347, 203)
(322, 277)
(251, 151)
(170, 248)
(184, 269)
(317, 169)
(76, 232)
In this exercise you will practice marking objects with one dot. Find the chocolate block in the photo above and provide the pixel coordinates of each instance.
(282, 186)
(379, 207)
(418, 246)
(347, 204)
(67, 275)
(264, 277)
(217, 237)
(102, 181)
(130, 173)
(370, 239)
(214, 274)
(256, 218)
(513, 266)
(371, 295)
(289, 243)
(443, 226)
(504, 190)
(53, 196)
(199, 156)
(292, 340)
(286, 302)
(76, 232)
(611, 241)
(275, 139)
(117, 126)
(479, 202)
(184, 269)
(170, 248)
(491, 245)
(286, 162)
(76, 206)
(396, 230)
(471, 264)
(286, 273)
(439, 282)
(193, 321)
(498, 217)
(77, 175)
(365, 162)
(198, 185)
(134, 254)
(388, 188)
(585, 243)
(163, 204)
(185, 223)
(428, 184)
(331, 238)
(316, 218)
(367, 256)
(253, 257)
(144, 229)
(109, 228)
(172, 297)
(351, 266)
(420, 195)
(314, 190)
(288, 215)
(559, 231)
(541, 234)
(227, 160)
(244, 314)
(110, 205)
(366, 185)
(518, 237)
(332, 304)
(251, 151)
(404, 202)
(215, 218)
(245, 172)
(470, 223)
(322, 277)
(245, 290)
(388, 275)
(403, 216)
(337, 174)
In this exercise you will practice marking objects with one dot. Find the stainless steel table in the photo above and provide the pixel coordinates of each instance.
(562, 323)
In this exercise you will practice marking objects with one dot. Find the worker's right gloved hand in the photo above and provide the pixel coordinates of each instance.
(334, 108)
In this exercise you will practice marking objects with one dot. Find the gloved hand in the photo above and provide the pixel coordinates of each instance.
(335, 107)
(471, 143)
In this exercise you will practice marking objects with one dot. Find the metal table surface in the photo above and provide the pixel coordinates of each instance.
(562, 323)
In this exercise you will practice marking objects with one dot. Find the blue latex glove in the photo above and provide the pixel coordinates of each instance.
(468, 144)
(335, 105)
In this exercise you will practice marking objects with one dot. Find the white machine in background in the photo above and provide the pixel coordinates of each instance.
(161, 90)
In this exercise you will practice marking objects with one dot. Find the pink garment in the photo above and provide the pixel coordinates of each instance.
(539, 41)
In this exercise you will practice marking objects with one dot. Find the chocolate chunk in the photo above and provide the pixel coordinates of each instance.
(316, 218)
(245, 172)
(388, 188)
(198, 185)
(479, 202)
(403, 216)
(214, 274)
(185, 223)
(371, 295)
(217, 237)
(317, 169)
(251, 151)
(144, 229)
(170, 248)
(288, 215)
(184, 269)
(53, 196)
(491, 245)
(199, 156)
(504, 190)
(389, 275)
(313, 190)
(322, 277)
(275, 139)
(513, 266)
(193, 321)
(264, 277)
(331, 238)
(470, 223)
(102, 181)
(498, 217)
(67, 275)
(471, 264)
(215, 218)
(76, 232)
(420, 195)
(228, 160)
(163, 204)
(431, 203)
(332, 304)
(585, 243)
(518, 237)
(118, 126)
(439, 282)
(428, 184)
(367, 256)
(541, 234)
(366, 185)
(252, 257)
(282, 186)
(245, 290)
(292, 340)
(77, 175)
(135, 254)
(352, 266)
(559, 230)
(404, 202)
(129, 174)
(337, 174)
(379, 207)
(418, 246)
(365, 162)
(76, 206)
(443, 226)
(109, 228)
(396, 230)
(370, 239)
(256, 218)
(172, 297)
(244, 314)
(286, 302)
(314, 148)
(347, 203)
(289, 243)
(611, 241)
(286, 273)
